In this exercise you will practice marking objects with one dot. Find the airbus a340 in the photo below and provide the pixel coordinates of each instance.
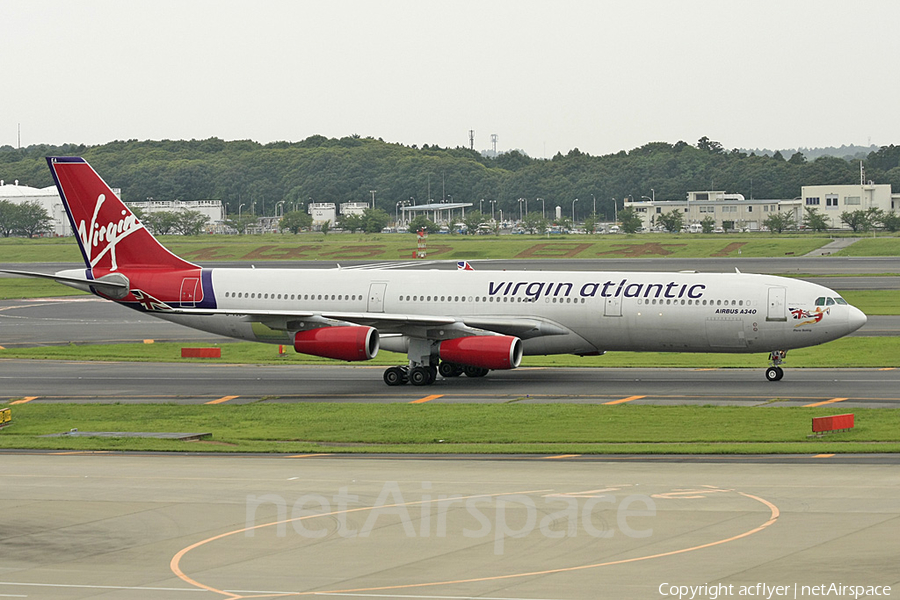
(448, 322)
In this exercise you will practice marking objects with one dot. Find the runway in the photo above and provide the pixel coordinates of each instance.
(159, 527)
(195, 383)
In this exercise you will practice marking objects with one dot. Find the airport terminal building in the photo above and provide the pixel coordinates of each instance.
(734, 211)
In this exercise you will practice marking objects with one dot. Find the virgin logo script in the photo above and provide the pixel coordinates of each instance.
(105, 237)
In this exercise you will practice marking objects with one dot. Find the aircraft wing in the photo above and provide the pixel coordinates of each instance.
(430, 326)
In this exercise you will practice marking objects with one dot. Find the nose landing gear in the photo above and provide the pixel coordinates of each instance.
(775, 372)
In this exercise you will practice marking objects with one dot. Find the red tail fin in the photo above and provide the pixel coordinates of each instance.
(109, 234)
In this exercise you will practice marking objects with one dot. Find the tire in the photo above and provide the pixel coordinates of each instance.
(394, 376)
(475, 371)
(449, 370)
(774, 373)
(420, 376)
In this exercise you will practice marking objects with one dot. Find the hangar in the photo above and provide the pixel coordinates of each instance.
(47, 197)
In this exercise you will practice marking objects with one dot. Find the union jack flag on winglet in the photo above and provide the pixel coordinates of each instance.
(464, 265)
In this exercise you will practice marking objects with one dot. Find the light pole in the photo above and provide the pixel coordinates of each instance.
(481, 206)
(595, 206)
(520, 209)
(493, 202)
(542, 207)
(573, 211)
(280, 202)
(615, 211)
(239, 210)
(373, 197)
(653, 193)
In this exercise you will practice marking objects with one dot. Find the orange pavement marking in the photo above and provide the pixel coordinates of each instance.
(562, 456)
(175, 563)
(24, 400)
(832, 401)
(628, 399)
(823, 455)
(222, 399)
(427, 399)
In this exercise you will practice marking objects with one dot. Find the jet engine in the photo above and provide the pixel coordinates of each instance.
(487, 352)
(341, 342)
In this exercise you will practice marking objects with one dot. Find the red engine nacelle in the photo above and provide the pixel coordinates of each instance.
(485, 351)
(343, 342)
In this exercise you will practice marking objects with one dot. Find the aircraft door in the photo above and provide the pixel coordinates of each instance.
(777, 309)
(376, 297)
(612, 306)
(189, 291)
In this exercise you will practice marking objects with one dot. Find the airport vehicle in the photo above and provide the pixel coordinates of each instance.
(447, 322)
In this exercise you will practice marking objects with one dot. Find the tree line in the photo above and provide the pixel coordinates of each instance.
(283, 177)
(25, 219)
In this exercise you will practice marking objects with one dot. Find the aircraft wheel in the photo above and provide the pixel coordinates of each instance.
(475, 371)
(450, 370)
(394, 376)
(774, 373)
(421, 376)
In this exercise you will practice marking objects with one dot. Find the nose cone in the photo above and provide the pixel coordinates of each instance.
(855, 319)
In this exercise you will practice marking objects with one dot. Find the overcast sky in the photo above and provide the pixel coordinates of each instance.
(545, 77)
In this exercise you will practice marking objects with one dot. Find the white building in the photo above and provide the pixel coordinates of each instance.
(730, 211)
(832, 200)
(322, 212)
(213, 209)
(47, 197)
(354, 208)
(734, 211)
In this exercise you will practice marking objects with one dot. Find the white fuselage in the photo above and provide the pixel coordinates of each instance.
(596, 311)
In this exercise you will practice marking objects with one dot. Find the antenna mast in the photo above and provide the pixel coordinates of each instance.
(471, 139)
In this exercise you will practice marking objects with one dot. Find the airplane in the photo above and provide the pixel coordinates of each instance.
(447, 322)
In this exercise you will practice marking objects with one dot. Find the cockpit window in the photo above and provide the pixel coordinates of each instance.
(820, 301)
(830, 302)
(840, 300)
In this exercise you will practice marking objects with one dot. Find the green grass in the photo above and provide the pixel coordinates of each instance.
(849, 352)
(873, 246)
(12, 288)
(336, 247)
(874, 302)
(453, 428)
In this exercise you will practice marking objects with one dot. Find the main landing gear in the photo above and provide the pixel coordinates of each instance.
(426, 374)
(775, 372)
